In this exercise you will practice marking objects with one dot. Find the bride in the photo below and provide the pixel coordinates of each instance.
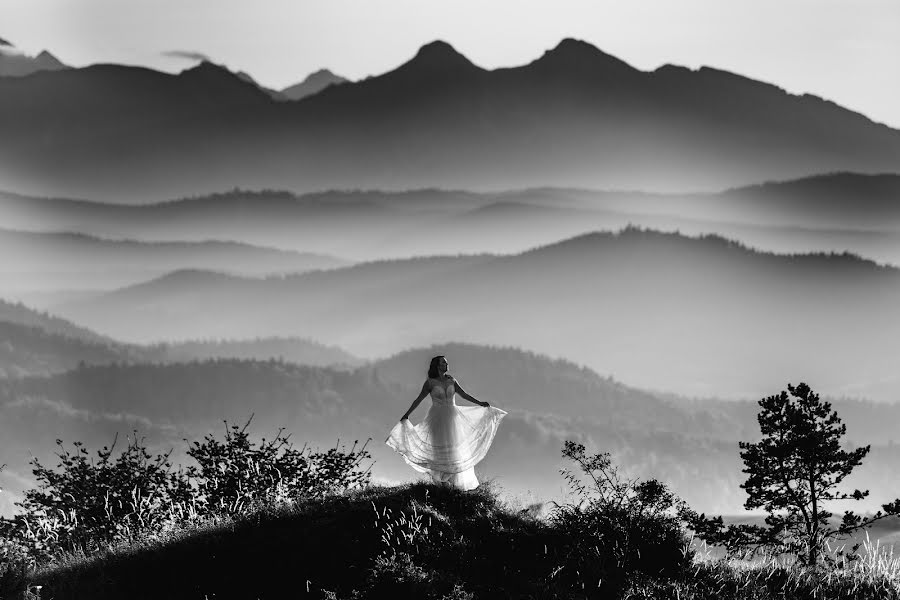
(451, 439)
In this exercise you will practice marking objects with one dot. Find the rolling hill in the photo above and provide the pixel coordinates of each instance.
(549, 401)
(696, 316)
(38, 344)
(836, 212)
(53, 261)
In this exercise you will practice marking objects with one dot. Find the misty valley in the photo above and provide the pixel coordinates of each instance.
(645, 335)
(623, 259)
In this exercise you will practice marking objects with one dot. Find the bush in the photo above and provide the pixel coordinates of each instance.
(88, 503)
(618, 527)
(15, 563)
(236, 474)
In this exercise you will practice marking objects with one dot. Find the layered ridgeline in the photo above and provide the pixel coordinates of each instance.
(43, 261)
(696, 316)
(842, 211)
(691, 445)
(574, 117)
(33, 343)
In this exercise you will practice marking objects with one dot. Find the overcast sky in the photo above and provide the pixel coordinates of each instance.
(847, 51)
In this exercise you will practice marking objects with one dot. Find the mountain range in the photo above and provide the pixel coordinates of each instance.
(836, 212)
(698, 316)
(313, 84)
(574, 117)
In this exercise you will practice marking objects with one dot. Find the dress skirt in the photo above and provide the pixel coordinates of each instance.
(449, 441)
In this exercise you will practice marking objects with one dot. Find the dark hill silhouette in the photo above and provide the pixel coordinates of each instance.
(699, 316)
(576, 59)
(438, 60)
(437, 120)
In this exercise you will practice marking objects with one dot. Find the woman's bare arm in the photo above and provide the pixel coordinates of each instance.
(426, 388)
(466, 395)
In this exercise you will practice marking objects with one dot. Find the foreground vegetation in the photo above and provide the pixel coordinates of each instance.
(422, 541)
(267, 520)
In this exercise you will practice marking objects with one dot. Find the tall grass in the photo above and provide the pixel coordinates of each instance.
(874, 576)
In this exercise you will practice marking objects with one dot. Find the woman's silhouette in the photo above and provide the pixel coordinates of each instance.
(451, 439)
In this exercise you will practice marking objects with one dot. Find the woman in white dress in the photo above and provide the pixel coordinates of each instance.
(451, 439)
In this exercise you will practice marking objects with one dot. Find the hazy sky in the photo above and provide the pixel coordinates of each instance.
(847, 51)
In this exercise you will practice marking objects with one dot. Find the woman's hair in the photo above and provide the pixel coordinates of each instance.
(433, 367)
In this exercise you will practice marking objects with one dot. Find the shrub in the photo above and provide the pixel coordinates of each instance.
(236, 474)
(618, 527)
(88, 502)
(15, 563)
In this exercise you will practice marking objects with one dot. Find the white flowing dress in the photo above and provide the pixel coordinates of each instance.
(450, 440)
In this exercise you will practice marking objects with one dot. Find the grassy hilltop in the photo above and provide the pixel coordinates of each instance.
(419, 541)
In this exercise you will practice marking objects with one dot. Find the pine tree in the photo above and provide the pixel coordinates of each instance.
(794, 472)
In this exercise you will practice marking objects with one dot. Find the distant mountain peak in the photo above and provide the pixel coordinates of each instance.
(439, 56)
(15, 63)
(575, 45)
(209, 72)
(217, 80)
(572, 54)
(205, 66)
(438, 47)
(313, 84)
(322, 74)
(47, 61)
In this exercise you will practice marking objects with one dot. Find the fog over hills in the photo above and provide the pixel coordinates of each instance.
(695, 316)
(691, 445)
(53, 261)
(20, 314)
(625, 258)
(436, 120)
(33, 343)
(836, 212)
